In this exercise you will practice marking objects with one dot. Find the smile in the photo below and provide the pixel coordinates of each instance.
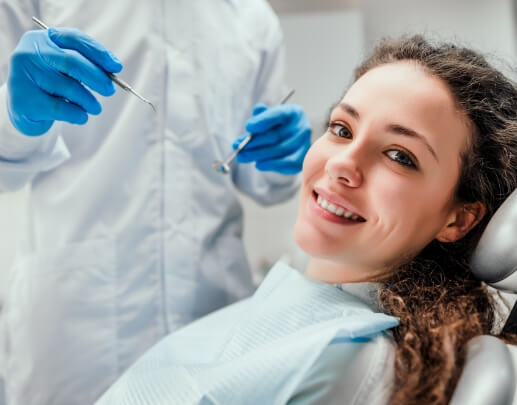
(336, 210)
(333, 211)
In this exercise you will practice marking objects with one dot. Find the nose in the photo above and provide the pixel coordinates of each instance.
(344, 167)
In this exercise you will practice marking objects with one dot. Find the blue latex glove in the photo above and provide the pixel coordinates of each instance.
(281, 138)
(48, 72)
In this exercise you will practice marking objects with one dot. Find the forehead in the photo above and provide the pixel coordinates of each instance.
(406, 86)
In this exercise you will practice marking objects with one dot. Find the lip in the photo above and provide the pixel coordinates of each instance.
(338, 201)
(318, 211)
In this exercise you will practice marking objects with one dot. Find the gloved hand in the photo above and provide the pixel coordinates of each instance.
(48, 72)
(281, 138)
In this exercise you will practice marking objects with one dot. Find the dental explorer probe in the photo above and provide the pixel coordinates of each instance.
(223, 167)
(123, 85)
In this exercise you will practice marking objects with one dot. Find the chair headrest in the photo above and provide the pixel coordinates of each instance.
(495, 257)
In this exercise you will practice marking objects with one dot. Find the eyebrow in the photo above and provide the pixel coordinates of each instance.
(400, 130)
(395, 128)
(350, 110)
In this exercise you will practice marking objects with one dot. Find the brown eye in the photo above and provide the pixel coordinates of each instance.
(401, 158)
(340, 130)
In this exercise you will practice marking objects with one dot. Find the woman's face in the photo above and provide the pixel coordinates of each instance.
(378, 185)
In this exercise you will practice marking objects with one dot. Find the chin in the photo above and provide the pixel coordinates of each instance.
(311, 241)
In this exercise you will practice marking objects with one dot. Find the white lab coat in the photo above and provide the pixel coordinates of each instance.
(130, 232)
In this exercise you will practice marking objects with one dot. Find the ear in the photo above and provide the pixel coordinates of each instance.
(461, 220)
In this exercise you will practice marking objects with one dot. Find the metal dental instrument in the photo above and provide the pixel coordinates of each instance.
(123, 85)
(223, 167)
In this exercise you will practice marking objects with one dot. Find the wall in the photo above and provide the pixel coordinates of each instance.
(488, 26)
(284, 7)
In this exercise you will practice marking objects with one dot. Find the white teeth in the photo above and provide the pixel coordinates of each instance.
(339, 211)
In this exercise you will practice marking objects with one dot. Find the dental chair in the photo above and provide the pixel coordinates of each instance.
(489, 375)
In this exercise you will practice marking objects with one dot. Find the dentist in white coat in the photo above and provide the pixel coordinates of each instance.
(130, 232)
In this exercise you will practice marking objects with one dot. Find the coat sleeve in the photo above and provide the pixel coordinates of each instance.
(21, 157)
(267, 188)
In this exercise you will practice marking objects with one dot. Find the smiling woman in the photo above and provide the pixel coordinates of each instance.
(418, 155)
(388, 160)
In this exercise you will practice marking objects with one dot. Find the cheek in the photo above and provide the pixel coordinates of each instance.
(398, 195)
(391, 194)
(314, 160)
(416, 211)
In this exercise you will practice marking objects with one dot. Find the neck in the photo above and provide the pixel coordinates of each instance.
(339, 273)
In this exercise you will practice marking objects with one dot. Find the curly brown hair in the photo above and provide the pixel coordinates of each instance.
(441, 306)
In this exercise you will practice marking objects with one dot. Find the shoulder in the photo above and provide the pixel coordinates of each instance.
(353, 372)
(258, 18)
(261, 8)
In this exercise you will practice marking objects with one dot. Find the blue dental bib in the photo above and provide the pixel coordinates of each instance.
(254, 352)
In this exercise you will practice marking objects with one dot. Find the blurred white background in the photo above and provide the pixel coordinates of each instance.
(325, 39)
